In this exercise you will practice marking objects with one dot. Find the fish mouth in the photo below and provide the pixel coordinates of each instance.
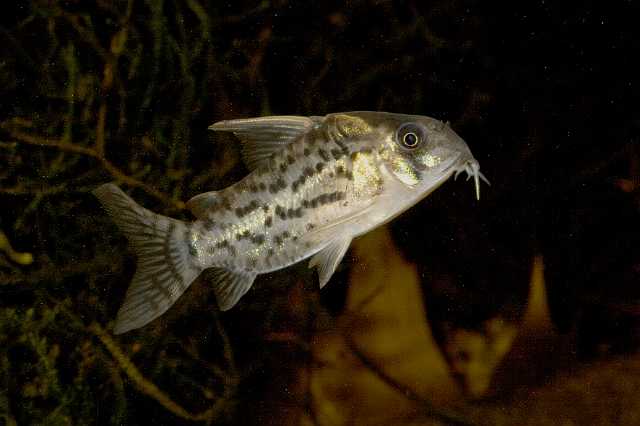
(472, 169)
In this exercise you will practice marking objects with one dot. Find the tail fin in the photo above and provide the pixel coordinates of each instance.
(165, 268)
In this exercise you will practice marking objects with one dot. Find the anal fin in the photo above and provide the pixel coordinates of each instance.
(328, 259)
(230, 286)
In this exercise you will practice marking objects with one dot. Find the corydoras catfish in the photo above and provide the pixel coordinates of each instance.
(315, 184)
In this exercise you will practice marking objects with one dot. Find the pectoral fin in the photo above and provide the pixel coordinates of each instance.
(328, 259)
(261, 137)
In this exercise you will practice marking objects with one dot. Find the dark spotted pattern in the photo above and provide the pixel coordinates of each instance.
(277, 186)
(296, 169)
(291, 213)
(343, 147)
(340, 151)
(363, 151)
(323, 199)
(342, 172)
(243, 211)
(258, 239)
(221, 205)
(324, 155)
(242, 235)
(225, 244)
(225, 203)
(307, 172)
(208, 224)
(280, 239)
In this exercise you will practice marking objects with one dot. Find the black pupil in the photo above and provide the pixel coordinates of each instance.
(410, 139)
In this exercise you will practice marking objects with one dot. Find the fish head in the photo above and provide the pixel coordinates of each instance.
(420, 152)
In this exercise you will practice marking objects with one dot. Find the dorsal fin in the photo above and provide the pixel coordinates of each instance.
(263, 136)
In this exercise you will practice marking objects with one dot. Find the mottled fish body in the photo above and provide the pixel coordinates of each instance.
(316, 183)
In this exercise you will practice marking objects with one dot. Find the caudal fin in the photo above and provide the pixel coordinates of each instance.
(165, 268)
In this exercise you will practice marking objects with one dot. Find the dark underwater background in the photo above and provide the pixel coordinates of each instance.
(535, 289)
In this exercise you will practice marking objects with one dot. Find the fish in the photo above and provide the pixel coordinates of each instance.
(315, 184)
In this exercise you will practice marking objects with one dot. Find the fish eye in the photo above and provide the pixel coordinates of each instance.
(410, 135)
(410, 139)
